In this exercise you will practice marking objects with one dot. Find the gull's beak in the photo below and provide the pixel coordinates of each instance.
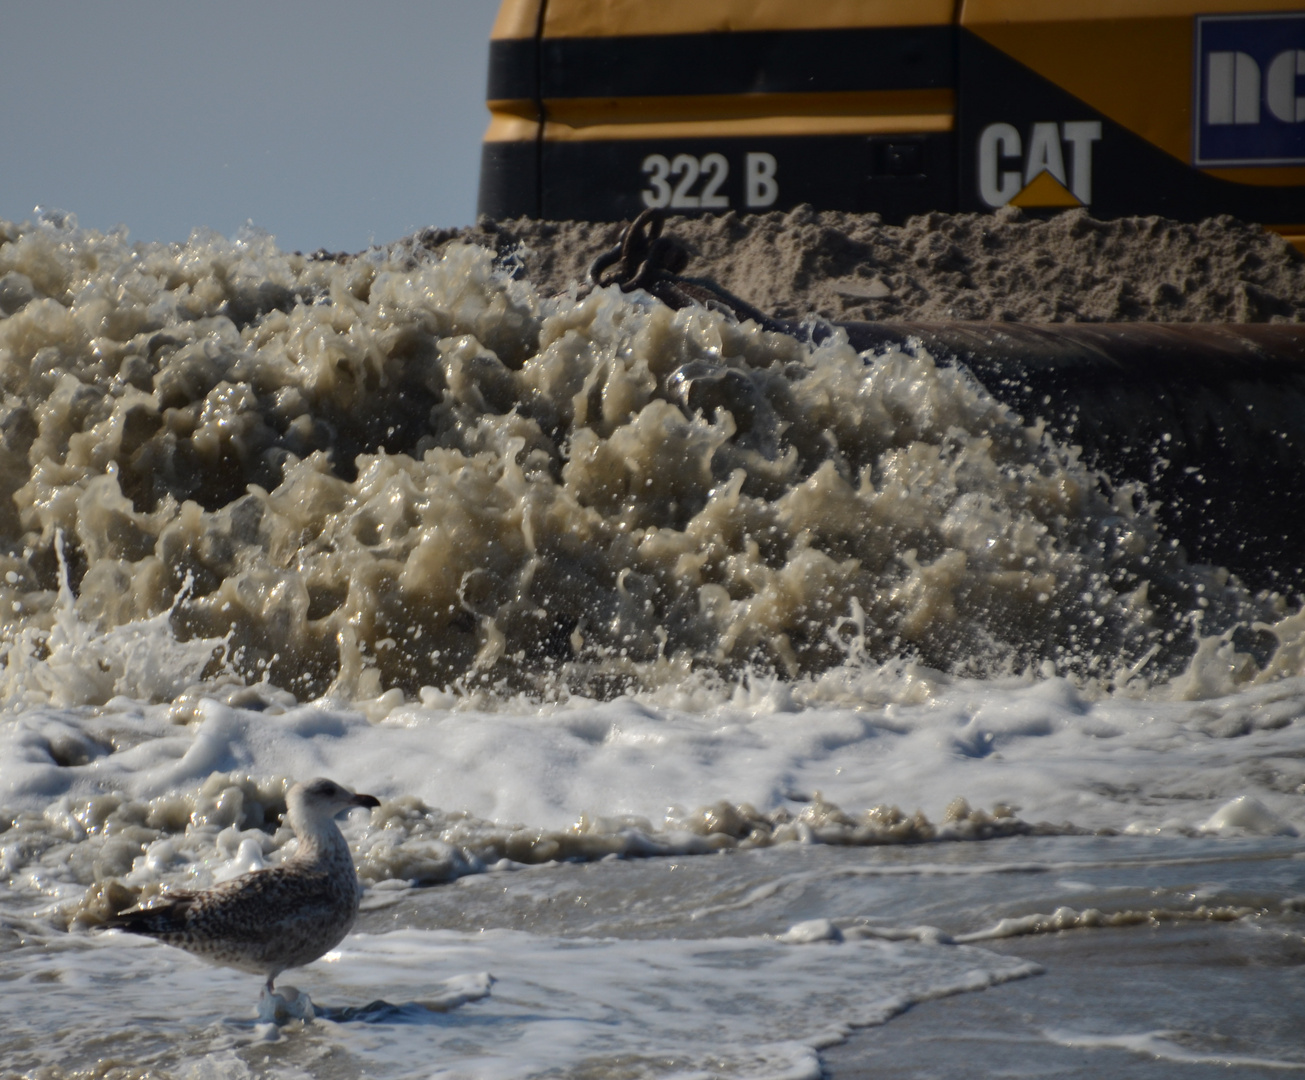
(366, 800)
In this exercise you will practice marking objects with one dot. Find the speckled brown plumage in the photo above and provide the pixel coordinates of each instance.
(270, 920)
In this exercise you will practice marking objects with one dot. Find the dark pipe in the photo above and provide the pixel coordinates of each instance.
(1210, 416)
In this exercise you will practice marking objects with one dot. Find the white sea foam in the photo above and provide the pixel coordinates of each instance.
(1163, 1046)
(1039, 747)
(1247, 814)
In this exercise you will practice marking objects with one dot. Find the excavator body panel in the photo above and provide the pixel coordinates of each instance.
(1184, 108)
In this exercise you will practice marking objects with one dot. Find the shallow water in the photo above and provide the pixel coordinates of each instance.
(1179, 1001)
(744, 963)
(723, 695)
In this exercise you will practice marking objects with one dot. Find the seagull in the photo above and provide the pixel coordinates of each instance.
(269, 920)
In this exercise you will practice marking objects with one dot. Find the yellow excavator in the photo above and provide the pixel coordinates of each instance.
(602, 108)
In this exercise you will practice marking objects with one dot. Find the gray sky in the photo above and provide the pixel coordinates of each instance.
(329, 124)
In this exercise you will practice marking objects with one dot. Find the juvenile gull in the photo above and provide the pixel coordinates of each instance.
(270, 920)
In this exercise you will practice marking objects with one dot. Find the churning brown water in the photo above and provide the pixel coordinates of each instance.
(377, 473)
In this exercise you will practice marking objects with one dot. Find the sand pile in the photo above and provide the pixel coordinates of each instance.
(1006, 266)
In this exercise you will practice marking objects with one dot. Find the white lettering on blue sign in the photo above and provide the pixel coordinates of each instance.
(1250, 90)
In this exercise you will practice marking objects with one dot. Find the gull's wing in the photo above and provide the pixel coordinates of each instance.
(254, 907)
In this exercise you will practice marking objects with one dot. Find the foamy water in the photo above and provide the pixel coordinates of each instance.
(564, 580)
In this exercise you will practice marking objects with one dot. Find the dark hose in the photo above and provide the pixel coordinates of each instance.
(1210, 416)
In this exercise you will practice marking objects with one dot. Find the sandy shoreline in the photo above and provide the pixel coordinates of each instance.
(1003, 266)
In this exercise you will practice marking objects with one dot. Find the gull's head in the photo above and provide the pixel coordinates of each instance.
(322, 799)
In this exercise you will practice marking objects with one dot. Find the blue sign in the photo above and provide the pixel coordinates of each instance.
(1250, 89)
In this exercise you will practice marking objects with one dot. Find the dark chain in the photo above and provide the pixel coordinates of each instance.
(645, 259)
(641, 258)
